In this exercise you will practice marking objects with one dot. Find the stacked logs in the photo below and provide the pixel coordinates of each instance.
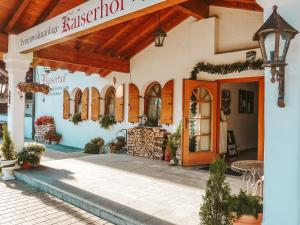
(146, 142)
(41, 132)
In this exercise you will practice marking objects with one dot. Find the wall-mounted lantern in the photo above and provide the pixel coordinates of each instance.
(274, 39)
(159, 35)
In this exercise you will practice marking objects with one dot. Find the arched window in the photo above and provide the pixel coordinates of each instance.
(78, 101)
(110, 101)
(153, 104)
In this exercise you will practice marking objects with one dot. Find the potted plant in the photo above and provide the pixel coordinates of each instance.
(216, 208)
(174, 141)
(28, 159)
(95, 146)
(44, 120)
(117, 144)
(107, 121)
(76, 118)
(8, 156)
(35, 148)
(53, 137)
(43, 126)
(247, 209)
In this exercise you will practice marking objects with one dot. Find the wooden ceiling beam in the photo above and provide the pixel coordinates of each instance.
(144, 29)
(48, 12)
(176, 20)
(237, 4)
(127, 26)
(15, 15)
(71, 57)
(195, 8)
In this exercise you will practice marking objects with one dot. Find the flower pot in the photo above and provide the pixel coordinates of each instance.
(54, 142)
(26, 165)
(249, 220)
(8, 169)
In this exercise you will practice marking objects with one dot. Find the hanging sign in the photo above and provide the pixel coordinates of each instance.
(89, 15)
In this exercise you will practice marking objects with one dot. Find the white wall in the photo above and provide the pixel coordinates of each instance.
(234, 27)
(28, 125)
(245, 126)
(189, 43)
(282, 136)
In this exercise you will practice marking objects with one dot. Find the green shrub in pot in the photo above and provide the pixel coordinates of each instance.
(95, 146)
(37, 148)
(8, 156)
(216, 207)
(107, 121)
(28, 158)
(7, 150)
(76, 118)
(246, 204)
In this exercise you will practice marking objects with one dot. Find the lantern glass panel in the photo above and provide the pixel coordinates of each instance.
(3, 88)
(284, 40)
(270, 42)
(159, 39)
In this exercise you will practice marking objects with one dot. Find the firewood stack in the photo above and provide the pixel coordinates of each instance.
(146, 142)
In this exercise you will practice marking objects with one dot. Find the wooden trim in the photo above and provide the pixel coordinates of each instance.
(261, 110)
(198, 158)
(246, 5)
(195, 8)
(3, 43)
(66, 57)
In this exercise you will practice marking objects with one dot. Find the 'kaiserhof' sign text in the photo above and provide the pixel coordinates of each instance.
(86, 17)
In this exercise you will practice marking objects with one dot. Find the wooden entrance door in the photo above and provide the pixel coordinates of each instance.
(199, 122)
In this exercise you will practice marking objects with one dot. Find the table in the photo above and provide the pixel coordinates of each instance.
(253, 174)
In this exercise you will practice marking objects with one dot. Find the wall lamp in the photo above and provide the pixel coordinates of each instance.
(274, 38)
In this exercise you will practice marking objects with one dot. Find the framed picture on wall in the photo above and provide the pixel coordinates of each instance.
(226, 101)
(246, 101)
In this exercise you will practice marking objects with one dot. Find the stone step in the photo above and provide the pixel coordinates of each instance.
(98, 206)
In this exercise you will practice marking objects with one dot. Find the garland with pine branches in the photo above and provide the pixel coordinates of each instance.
(226, 68)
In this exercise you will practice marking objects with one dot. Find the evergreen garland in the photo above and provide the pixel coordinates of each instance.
(226, 68)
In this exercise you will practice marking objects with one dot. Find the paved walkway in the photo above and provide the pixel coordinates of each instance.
(21, 205)
(51, 154)
(144, 190)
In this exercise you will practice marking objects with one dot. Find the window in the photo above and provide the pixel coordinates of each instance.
(153, 104)
(78, 101)
(110, 101)
(200, 120)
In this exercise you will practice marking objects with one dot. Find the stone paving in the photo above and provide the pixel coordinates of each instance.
(144, 191)
(22, 205)
(50, 155)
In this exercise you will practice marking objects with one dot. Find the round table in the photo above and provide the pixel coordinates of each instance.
(253, 174)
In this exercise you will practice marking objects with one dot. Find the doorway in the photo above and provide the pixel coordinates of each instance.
(204, 120)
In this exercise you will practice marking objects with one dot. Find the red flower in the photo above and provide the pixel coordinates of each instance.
(44, 120)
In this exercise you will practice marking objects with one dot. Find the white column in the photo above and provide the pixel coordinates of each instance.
(17, 66)
(282, 130)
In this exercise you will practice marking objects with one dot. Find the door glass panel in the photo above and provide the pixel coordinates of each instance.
(200, 120)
